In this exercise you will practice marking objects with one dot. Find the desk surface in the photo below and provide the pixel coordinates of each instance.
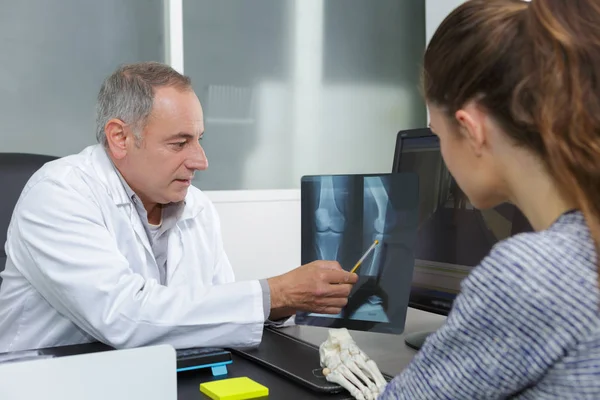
(390, 353)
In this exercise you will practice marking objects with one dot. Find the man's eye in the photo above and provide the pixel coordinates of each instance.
(179, 144)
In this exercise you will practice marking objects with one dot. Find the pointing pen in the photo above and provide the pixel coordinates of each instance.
(369, 250)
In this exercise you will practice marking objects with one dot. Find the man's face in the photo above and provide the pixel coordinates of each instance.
(160, 167)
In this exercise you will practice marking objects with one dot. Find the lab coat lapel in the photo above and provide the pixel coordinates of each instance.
(107, 174)
(191, 209)
(140, 232)
(175, 252)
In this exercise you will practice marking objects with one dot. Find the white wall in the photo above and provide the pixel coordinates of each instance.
(435, 12)
(261, 230)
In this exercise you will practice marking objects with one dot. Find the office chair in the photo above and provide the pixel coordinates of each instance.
(15, 171)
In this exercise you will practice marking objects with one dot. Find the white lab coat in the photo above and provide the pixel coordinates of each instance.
(80, 268)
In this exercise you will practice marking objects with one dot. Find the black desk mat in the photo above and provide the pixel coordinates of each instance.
(295, 360)
(280, 387)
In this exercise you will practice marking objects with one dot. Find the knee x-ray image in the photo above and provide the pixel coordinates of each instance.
(342, 216)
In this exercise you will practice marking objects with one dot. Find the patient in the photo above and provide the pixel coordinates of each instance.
(512, 91)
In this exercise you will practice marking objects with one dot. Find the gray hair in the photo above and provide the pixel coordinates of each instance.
(128, 95)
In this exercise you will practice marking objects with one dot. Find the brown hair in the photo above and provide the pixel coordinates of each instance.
(535, 67)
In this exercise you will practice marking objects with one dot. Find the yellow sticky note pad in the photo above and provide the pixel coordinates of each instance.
(234, 389)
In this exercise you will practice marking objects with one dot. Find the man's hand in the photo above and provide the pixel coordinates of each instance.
(321, 286)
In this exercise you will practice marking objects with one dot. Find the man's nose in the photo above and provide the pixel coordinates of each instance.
(197, 159)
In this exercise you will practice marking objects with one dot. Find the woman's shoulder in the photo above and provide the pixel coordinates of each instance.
(559, 262)
(566, 246)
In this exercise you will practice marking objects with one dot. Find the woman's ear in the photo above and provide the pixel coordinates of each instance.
(471, 123)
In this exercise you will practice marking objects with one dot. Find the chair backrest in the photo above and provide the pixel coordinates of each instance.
(15, 171)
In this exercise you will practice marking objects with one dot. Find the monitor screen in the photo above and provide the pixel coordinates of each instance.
(452, 237)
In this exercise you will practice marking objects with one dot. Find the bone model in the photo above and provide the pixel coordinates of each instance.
(347, 365)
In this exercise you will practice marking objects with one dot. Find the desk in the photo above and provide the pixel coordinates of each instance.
(388, 351)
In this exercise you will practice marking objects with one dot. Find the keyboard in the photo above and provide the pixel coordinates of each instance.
(204, 357)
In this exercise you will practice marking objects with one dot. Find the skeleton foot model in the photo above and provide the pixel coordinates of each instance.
(345, 364)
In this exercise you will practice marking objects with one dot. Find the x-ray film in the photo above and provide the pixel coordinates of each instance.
(342, 216)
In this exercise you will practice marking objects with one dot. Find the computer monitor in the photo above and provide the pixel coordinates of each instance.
(452, 236)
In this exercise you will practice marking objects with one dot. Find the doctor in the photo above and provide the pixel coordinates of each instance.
(114, 244)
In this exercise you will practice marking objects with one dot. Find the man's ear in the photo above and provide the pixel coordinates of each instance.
(116, 136)
(471, 126)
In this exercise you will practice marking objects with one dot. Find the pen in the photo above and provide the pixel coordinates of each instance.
(369, 250)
